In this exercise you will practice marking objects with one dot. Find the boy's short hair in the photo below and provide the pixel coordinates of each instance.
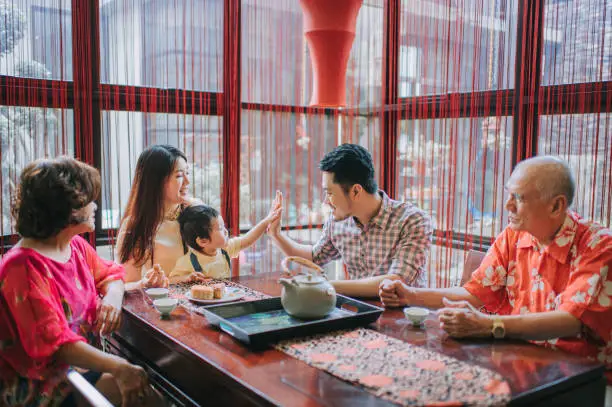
(195, 221)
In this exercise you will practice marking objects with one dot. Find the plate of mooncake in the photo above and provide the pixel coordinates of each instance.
(214, 294)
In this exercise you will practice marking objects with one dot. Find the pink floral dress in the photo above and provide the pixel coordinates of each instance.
(45, 304)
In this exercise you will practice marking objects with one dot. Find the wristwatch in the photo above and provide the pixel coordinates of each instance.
(498, 330)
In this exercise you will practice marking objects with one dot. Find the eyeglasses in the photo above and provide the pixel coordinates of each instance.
(518, 198)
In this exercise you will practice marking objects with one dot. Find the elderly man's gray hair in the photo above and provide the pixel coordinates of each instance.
(552, 176)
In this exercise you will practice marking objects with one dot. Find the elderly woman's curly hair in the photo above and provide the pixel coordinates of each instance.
(49, 193)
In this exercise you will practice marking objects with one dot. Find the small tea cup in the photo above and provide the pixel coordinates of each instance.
(416, 315)
(165, 305)
(157, 293)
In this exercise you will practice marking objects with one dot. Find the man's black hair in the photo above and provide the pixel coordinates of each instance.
(351, 164)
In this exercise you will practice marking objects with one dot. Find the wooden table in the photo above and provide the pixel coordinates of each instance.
(196, 364)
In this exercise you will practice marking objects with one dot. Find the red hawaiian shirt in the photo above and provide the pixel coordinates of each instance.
(519, 276)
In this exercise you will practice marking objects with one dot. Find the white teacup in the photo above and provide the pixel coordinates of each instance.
(165, 305)
(416, 315)
(157, 293)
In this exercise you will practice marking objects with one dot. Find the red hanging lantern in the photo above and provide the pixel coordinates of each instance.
(329, 28)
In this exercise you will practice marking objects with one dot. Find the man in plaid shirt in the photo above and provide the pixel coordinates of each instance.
(376, 237)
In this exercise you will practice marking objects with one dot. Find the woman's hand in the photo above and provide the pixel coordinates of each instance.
(133, 384)
(109, 314)
(155, 277)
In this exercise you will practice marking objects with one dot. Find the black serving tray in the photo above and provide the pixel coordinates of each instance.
(262, 322)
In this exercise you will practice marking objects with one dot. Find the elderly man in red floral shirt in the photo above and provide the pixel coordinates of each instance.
(546, 278)
(376, 237)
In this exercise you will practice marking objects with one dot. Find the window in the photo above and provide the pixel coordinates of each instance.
(445, 266)
(577, 42)
(364, 69)
(456, 169)
(585, 142)
(265, 257)
(36, 39)
(281, 151)
(26, 134)
(199, 137)
(449, 47)
(364, 131)
(276, 64)
(172, 44)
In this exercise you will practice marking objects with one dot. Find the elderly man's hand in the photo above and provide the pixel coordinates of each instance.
(393, 293)
(460, 320)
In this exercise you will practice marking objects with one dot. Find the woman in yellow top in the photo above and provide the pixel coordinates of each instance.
(149, 240)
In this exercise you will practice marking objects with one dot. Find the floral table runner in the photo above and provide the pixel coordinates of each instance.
(398, 371)
(384, 366)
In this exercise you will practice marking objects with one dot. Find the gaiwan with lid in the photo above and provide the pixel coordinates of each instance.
(307, 294)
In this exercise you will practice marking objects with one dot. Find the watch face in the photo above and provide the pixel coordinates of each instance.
(499, 331)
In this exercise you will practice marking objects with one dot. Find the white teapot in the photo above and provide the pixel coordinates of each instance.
(308, 295)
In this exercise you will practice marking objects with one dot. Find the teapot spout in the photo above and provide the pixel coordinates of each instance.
(289, 284)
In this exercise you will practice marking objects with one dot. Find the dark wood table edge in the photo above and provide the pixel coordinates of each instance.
(583, 383)
(538, 394)
(175, 345)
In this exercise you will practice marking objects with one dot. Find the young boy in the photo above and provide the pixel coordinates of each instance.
(209, 249)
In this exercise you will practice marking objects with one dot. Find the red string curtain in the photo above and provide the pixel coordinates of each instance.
(575, 101)
(282, 141)
(456, 64)
(161, 68)
(161, 73)
(36, 116)
(361, 118)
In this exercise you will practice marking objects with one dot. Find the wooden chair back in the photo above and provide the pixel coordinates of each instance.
(473, 260)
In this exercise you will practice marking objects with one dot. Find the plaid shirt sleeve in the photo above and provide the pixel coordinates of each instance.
(324, 250)
(414, 244)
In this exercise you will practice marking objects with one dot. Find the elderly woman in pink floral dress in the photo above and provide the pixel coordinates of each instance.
(50, 284)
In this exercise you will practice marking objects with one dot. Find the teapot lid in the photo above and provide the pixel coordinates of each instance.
(309, 279)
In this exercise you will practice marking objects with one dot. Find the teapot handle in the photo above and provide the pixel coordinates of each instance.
(303, 262)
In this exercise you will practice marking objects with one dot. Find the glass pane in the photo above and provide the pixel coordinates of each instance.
(449, 46)
(445, 266)
(456, 170)
(264, 256)
(364, 70)
(364, 131)
(28, 133)
(126, 134)
(585, 141)
(175, 44)
(577, 41)
(276, 65)
(36, 39)
(281, 151)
